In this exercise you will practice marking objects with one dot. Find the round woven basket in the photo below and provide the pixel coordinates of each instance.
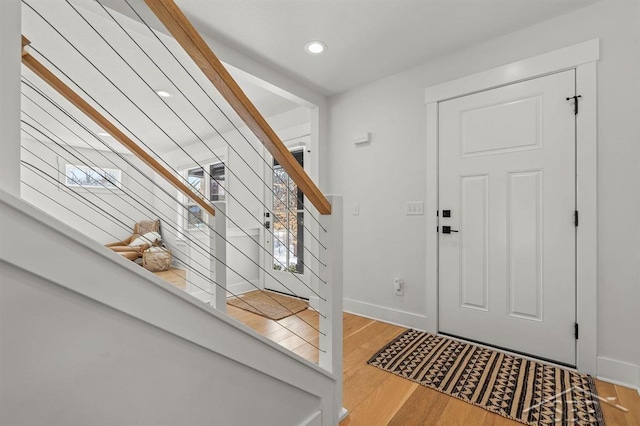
(157, 259)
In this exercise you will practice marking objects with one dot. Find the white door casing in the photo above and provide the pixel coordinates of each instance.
(583, 59)
(507, 175)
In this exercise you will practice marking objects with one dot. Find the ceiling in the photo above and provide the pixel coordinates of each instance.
(366, 39)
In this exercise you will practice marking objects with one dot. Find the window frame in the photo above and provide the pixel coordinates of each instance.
(188, 203)
(64, 184)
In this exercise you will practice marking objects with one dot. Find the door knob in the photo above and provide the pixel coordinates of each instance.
(448, 230)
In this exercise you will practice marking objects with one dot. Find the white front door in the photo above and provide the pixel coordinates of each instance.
(507, 277)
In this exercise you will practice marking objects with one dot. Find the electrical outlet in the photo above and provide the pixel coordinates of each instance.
(415, 208)
(398, 286)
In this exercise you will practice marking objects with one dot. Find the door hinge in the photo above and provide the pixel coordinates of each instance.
(576, 331)
(575, 218)
(575, 103)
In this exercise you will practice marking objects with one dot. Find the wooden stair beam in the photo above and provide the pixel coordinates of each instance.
(25, 43)
(41, 71)
(192, 42)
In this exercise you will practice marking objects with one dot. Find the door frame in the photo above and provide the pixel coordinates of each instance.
(583, 59)
(297, 144)
(306, 139)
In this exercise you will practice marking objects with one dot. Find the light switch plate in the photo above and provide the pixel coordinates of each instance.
(355, 209)
(415, 208)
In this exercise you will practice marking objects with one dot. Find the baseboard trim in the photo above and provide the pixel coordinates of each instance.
(242, 287)
(343, 414)
(313, 420)
(618, 372)
(383, 313)
(314, 302)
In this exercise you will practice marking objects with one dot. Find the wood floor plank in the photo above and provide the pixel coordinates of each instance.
(424, 407)
(298, 326)
(630, 399)
(309, 315)
(355, 360)
(382, 404)
(295, 341)
(460, 413)
(370, 338)
(358, 387)
(270, 328)
(360, 347)
(242, 315)
(277, 333)
(308, 352)
(174, 276)
(612, 415)
(352, 324)
(492, 419)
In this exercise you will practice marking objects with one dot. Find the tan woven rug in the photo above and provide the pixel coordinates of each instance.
(523, 390)
(268, 304)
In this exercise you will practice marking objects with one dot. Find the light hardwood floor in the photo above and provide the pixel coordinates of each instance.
(374, 397)
(174, 276)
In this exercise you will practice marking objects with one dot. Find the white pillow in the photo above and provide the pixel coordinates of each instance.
(148, 238)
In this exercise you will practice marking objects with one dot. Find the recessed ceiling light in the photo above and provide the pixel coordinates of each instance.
(315, 47)
(104, 134)
(164, 94)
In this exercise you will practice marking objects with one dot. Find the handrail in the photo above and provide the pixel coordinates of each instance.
(47, 76)
(192, 42)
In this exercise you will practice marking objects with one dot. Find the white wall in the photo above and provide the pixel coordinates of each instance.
(125, 211)
(10, 48)
(382, 243)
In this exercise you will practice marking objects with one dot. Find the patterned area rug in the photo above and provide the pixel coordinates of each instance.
(268, 304)
(523, 390)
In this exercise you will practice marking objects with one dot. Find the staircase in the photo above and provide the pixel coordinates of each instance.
(89, 337)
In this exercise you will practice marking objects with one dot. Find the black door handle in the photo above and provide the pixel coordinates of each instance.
(448, 230)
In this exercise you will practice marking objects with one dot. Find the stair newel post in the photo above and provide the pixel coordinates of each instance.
(331, 307)
(218, 257)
